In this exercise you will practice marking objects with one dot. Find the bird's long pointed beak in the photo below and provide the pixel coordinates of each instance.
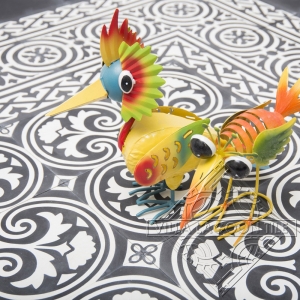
(207, 175)
(93, 92)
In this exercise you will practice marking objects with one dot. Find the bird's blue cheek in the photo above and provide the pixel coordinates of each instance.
(109, 77)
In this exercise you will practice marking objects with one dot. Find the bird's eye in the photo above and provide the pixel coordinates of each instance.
(126, 82)
(238, 167)
(202, 147)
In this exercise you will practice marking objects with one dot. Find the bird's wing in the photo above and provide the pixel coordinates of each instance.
(270, 142)
(168, 155)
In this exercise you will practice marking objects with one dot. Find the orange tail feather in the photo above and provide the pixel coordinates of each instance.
(287, 101)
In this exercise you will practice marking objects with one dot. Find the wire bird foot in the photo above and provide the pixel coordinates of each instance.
(242, 225)
(166, 205)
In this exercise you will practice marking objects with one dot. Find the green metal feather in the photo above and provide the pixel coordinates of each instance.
(270, 142)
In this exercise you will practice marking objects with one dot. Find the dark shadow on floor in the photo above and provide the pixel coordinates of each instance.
(13, 10)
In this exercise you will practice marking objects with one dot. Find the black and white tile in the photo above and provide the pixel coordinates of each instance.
(74, 142)
(52, 245)
(21, 176)
(68, 225)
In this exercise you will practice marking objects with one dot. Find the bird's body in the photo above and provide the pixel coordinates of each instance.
(247, 125)
(157, 147)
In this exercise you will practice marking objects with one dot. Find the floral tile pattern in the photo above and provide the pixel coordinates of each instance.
(21, 176)
(51, 244)
(68, 224)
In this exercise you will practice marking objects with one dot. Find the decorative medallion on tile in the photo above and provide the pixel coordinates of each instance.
(51, 245)
(64, 183)
(143, 254)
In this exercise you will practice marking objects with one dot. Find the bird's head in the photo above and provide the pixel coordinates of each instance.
(128, 75)
(217, 156)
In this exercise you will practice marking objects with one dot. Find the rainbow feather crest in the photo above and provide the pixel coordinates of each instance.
(111, 39)
(140, 62)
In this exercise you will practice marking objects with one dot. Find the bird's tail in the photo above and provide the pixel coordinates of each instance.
(287, 101)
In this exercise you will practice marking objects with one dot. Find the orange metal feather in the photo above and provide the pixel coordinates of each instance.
(287, 101)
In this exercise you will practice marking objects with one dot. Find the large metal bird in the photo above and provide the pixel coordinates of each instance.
(155, 141)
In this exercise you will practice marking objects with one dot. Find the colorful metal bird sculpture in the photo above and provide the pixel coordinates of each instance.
(161, 144)
(253, 136)
(155, 141)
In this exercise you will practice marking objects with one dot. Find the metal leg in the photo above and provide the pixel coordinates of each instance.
(240, 225)
(168, 205)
